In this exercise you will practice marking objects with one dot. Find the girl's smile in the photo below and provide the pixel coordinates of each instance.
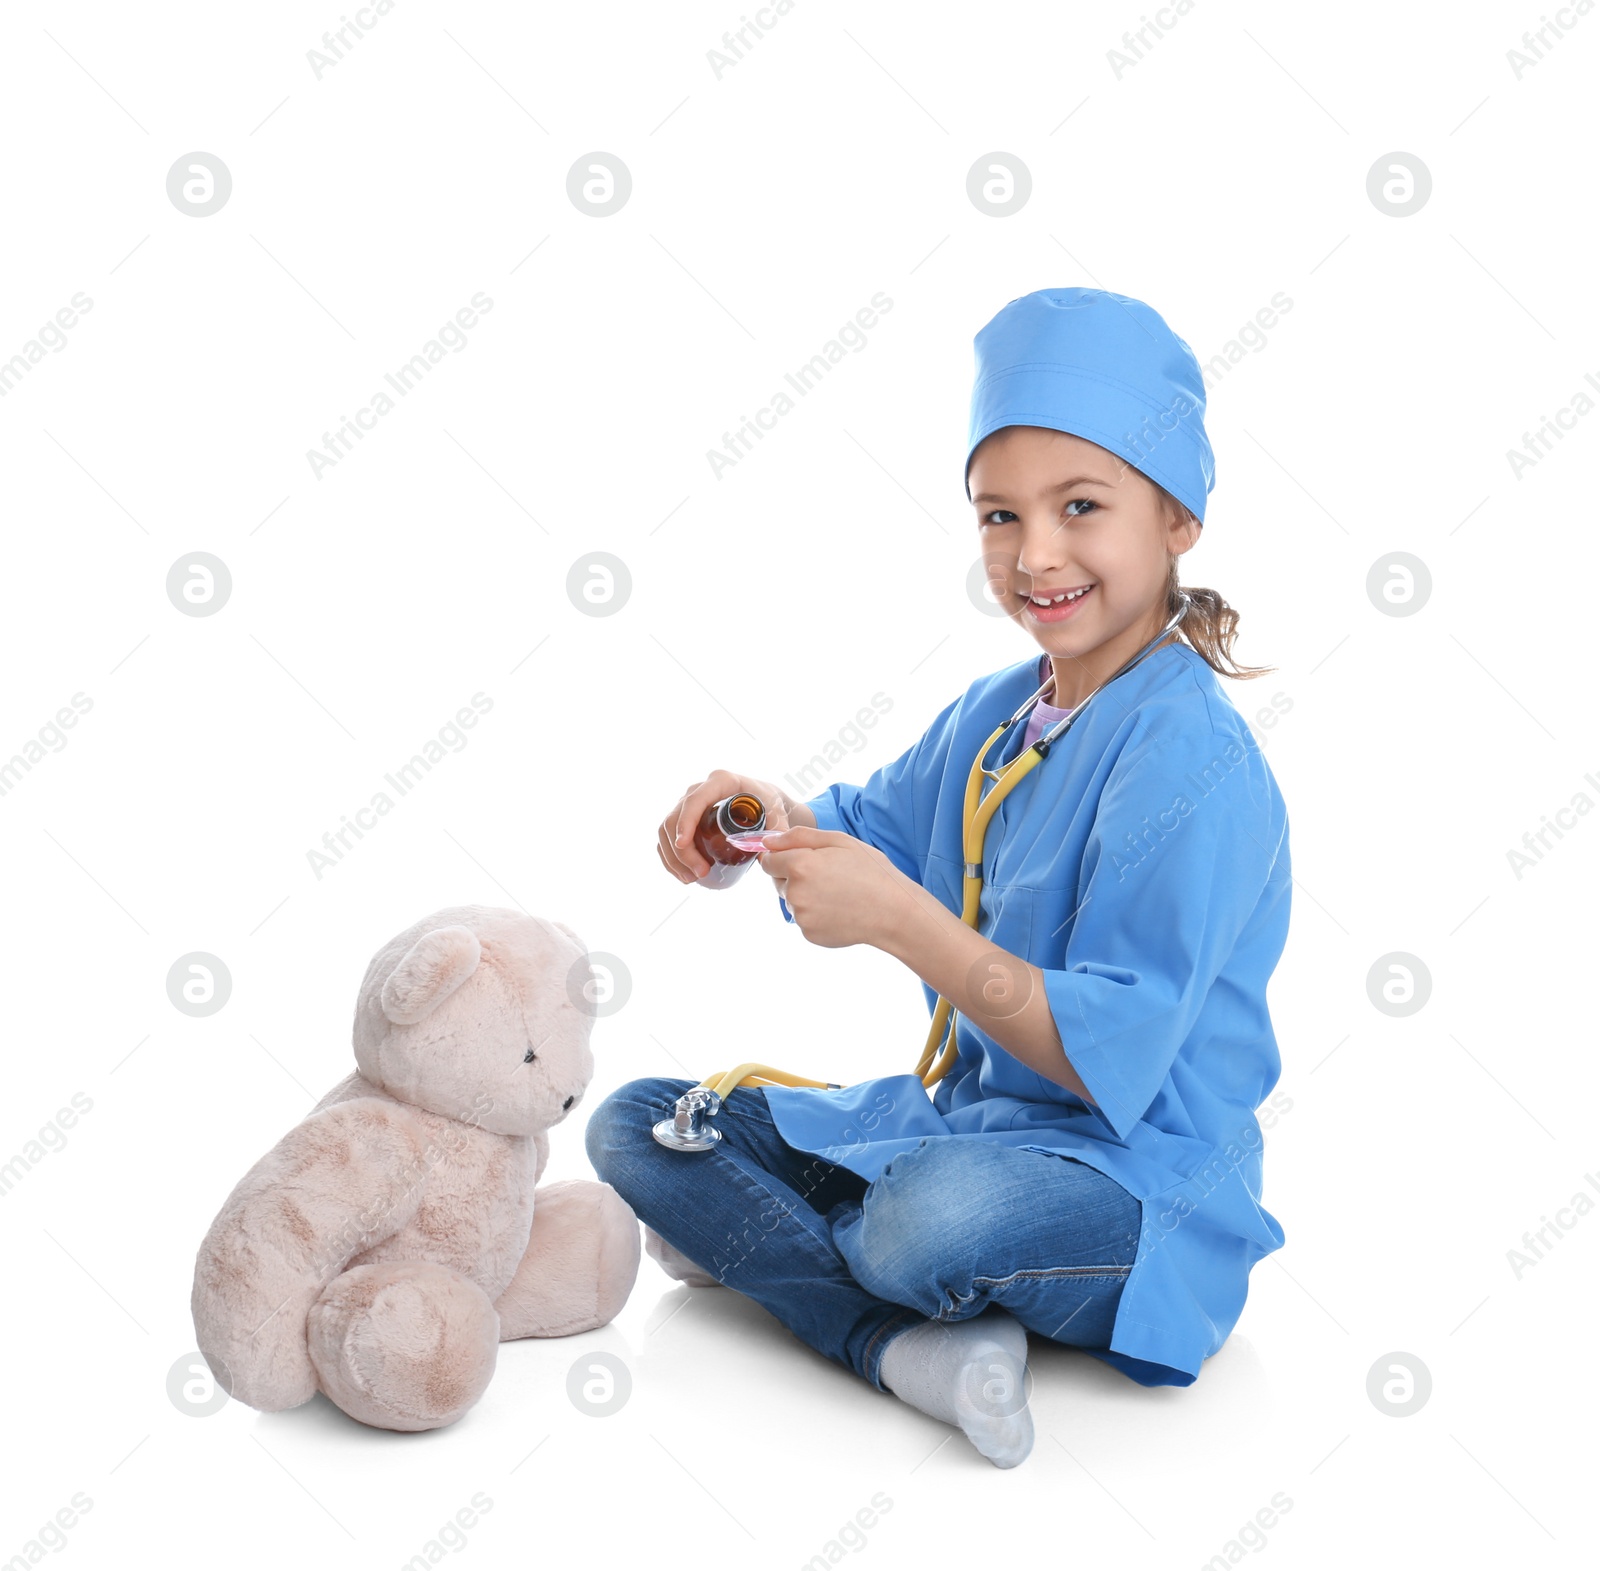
(1055, 605)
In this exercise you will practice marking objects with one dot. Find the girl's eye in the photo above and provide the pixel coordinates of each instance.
(1000, 515)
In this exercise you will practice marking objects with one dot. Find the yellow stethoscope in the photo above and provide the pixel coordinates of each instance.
(687, 1129)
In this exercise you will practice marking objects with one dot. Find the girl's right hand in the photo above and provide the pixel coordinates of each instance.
(675, 838)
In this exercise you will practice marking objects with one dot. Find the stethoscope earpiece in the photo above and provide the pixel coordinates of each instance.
(1045, 742)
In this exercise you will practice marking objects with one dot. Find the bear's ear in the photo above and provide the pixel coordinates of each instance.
(434, 967)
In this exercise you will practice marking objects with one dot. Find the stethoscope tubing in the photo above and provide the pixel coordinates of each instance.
(1062, 726)
(978, 810)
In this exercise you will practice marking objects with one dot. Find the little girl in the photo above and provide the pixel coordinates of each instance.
(1088, 1164)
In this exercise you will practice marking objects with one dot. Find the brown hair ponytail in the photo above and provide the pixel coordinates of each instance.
(1210, 624)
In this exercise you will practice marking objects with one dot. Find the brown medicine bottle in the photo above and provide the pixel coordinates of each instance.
(733, 815)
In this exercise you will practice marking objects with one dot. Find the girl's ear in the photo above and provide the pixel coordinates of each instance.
(433, 968)
(1183, 528)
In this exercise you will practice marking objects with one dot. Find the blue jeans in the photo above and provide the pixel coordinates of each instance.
(948, 1228)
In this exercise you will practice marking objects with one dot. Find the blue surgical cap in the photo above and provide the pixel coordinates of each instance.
(1100, 366)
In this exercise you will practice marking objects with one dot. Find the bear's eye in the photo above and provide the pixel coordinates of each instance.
(527, 1057)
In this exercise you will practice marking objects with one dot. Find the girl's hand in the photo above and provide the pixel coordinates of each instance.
(840, 890)
(675, 837)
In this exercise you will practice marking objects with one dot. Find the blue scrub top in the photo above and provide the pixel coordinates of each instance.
(1144, 867)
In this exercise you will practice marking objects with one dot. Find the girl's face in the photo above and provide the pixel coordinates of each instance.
(1057, 514)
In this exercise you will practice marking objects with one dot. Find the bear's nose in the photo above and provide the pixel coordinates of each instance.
(568, 1103)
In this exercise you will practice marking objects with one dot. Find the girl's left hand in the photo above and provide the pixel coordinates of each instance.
(839, 890)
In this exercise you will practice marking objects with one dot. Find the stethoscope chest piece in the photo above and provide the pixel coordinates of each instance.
(687, 1129)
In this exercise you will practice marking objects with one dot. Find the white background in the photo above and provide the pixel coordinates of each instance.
(769, 204)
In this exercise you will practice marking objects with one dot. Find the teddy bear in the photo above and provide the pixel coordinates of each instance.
(387, 1245)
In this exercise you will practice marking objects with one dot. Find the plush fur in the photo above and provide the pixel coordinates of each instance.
(385, 1246)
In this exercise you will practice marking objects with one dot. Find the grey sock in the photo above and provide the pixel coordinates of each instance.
(674, 1262)
(971, 1373)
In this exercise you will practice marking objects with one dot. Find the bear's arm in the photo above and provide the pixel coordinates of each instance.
(341, 1181)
